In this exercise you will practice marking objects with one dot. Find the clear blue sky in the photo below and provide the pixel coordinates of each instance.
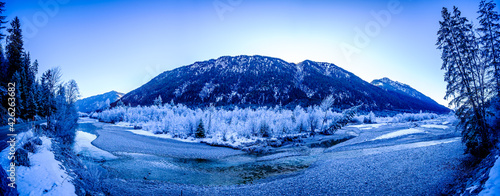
(121, 44)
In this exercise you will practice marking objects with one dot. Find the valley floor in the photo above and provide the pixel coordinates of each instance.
(383, 159)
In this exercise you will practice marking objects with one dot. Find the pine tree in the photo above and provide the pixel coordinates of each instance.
(14, 47)
(490, 41)
(2, 19)
(465, 76)
(39, 98)
(50, 82)
(16, 79)
(31, 97)
(3, 62)
(200, 130)
(25, 87)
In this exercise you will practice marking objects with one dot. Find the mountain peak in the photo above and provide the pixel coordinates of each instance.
(398, 87)
(249, 81)
(97, 102)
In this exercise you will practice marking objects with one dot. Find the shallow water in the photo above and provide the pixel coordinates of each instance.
(240, 169)
(237, 169)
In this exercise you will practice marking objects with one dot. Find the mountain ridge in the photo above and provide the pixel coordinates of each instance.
(97, 102)
(403, 88)
(267, 81)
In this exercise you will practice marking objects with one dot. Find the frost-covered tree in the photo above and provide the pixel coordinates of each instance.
(158, 101)
(65, 116)
(325, 106)
(489, 39)
(465, 75)
(347, 116)
(72, 92)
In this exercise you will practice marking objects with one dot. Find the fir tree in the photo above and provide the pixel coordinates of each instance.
(14, 48)
(465, 75)
(16, 78)
(200, 130)
(490, 41)
(3, 62)
(2, 19)
(32, 90)
(50, 81)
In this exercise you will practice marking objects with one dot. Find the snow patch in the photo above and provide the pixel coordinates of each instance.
(492, 185)
(164, 136)
(366, 126)
(83, 145)
(435, 126)
(86, 120)
(45, 176)
(399, 133)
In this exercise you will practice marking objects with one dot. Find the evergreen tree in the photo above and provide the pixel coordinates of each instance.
(2, 19)
(200, 130)
(465, 77)
(16, 79)
(3, 62)
(26, 87)
(31, 94)
(50, 82)
(490, 41)
(14, 48)
(39, 100)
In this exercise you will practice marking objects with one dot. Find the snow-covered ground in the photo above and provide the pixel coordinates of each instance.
(367, 126)
(435, 126)
(492, 185)
(45, 176)
(83, 145)
(399, 133)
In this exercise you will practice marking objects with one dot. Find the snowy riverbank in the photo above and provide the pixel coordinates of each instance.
(45, 175)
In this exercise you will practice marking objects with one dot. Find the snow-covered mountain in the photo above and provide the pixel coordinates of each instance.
(259, 80)
(389, 85)
(97, 102)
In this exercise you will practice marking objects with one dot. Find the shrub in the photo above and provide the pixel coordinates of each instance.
(264, 130)
(200, 130)
(22, 157)
(369, 119)
(29, 146)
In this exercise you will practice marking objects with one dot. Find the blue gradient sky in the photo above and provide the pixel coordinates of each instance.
(122, 44)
